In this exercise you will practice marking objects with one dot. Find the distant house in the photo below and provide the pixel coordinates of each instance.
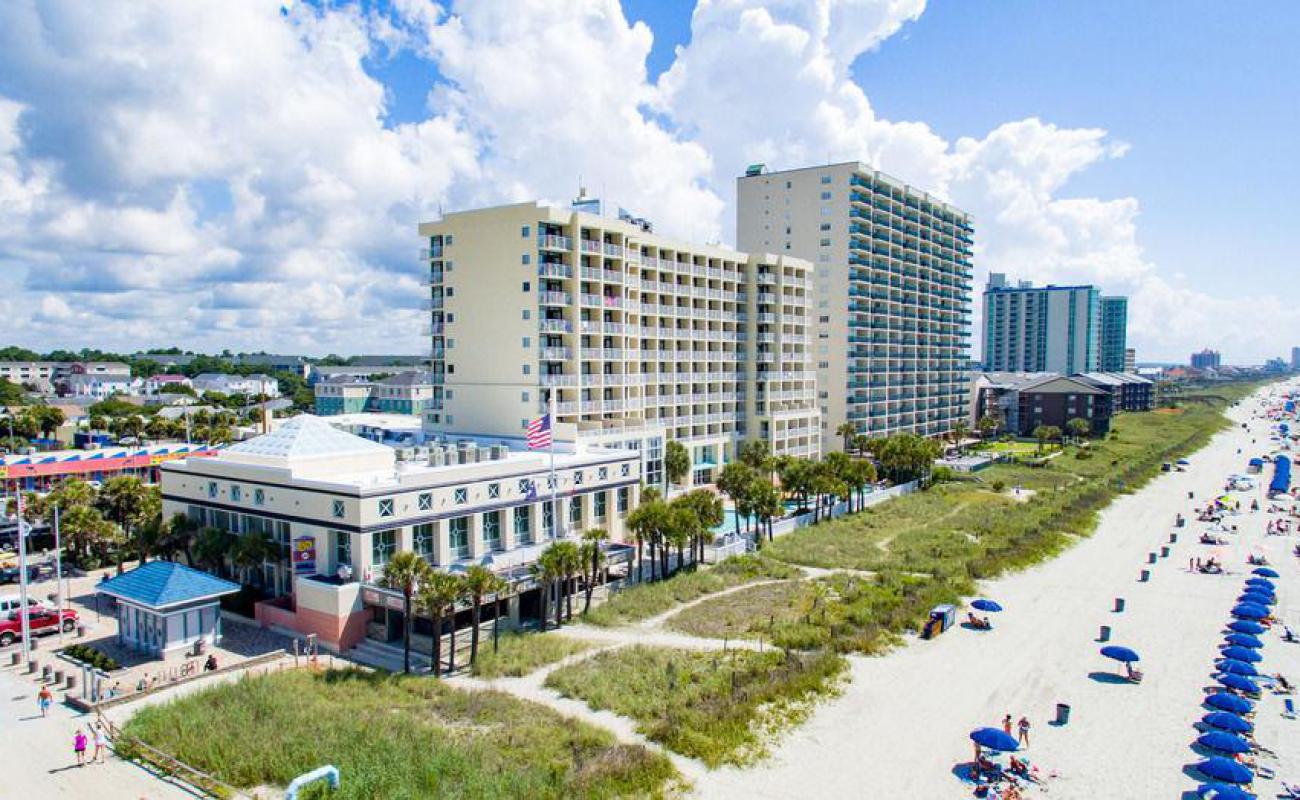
(1024, 401)
(405, 393)
(101, 387)
(236, 384)
(48, 375)
(154, 384)
(295, 364)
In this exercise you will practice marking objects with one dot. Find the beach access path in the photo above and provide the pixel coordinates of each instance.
(901, 727)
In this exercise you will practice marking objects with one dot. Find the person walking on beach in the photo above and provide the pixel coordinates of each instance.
(101, 744)
(43, 700)
(1006, 724)
(79, 747)
(1023, 738)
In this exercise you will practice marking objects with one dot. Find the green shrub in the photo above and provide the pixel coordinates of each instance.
(522, 653)
(91, 656)
(999, 486)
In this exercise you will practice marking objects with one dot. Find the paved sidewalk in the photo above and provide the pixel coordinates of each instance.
(37, 759)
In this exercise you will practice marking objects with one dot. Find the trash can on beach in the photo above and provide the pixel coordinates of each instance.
(1104, 636)
(1119, 605)
(1062, 713)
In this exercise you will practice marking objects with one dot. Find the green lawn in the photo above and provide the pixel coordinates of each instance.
(1015, 448)
(394, 738)
(721, 708)
(648, 599)
(521, 653)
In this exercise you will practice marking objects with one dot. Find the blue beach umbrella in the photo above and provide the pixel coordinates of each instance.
(1224, 742)
(1265, 572)
(986, 605)
(1226, 770)
(1239, 683)
(1225, 721)
(1246, 626)
(1250, 611)
(1262, 598)
(1263, 583)
(1231, 666)
(1222, 791)
(1244, 640)
(1120, 653)
(1230, 703)
(994, 739)
(1241, 654)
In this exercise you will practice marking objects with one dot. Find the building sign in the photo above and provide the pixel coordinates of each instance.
(304, 555)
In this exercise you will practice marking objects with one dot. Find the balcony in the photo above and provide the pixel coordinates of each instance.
(548, 242)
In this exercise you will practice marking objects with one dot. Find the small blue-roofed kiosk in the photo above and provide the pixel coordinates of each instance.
(163, 606)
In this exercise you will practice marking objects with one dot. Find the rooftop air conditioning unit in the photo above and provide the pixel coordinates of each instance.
(437, 457)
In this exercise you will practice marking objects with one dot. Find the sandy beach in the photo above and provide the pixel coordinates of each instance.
(901, 727)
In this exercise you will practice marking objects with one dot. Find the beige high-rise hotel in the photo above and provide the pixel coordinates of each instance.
(643, 339)
(892, 291)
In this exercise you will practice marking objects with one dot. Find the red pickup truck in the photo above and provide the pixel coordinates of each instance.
(39, 620)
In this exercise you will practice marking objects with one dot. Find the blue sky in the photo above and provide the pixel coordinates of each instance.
(241, 156)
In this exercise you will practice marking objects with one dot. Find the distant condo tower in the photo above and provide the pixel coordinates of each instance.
(1114, 334)
(1031, 328)
(642, 339)
(892, 291)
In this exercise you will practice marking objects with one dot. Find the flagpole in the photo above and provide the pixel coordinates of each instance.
(555, 508)
(23, 610)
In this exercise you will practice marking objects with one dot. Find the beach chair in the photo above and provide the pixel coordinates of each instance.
(1291, 790)
(1288, 708)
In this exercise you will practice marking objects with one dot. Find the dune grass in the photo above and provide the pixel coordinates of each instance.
(844, 612)
(964, 530)
(648, 599)
(395, 737)
(720, 708)
(521, 653)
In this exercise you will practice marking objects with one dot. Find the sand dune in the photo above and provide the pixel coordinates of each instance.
(901, 727)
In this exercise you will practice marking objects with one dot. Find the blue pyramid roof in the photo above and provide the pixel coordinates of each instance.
(159, 584)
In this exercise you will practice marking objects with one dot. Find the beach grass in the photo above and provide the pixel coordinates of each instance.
(395, 737)
(845, 612)
(645, 600)
(719, 707)
(522, 653)
(967, 530)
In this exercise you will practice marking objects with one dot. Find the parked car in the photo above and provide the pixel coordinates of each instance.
(11, 574)
(40, 621)
(11, 602)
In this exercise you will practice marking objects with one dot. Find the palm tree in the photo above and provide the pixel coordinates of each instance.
(544, 571)
(404, 572)
(647, 520)
(959, 432)
(677, 462)
(847, 430)
(734, 481)
(1078, 428)
(499, 587)
(682, 523)
(437, 596)
(593, 539)
(708, 510)
(249, 552)
(569, 560)
(211, 547)
(766, 503)
(479, 581)
(128, 502)
(988, 425)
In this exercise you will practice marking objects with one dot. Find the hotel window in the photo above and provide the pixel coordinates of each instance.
(825, 226)
(548, 519)
(235, 494)
(575, 512)
(624, 469)
(492, 530)
(527, 343)
(826, 179)
(494, 491)
(342, 548)
(460, 496)
(259, 497)
(458, 537)
(382, 546)
(423, 539)
(602, 473)
(386, 507)
(523, 524)
(339, 509)
(577, 477)
(621, 499)
(527, 286)
(598, 506)
(425, 501)
(524, 232)
(525, 259)
(826, 195)
(212, 489)
(525, 486)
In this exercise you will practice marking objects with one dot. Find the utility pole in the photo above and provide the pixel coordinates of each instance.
(24, 612)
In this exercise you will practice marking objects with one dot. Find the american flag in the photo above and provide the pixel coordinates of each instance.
(539, 433)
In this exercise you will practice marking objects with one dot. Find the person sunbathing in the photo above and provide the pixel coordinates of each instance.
(1286, 685)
